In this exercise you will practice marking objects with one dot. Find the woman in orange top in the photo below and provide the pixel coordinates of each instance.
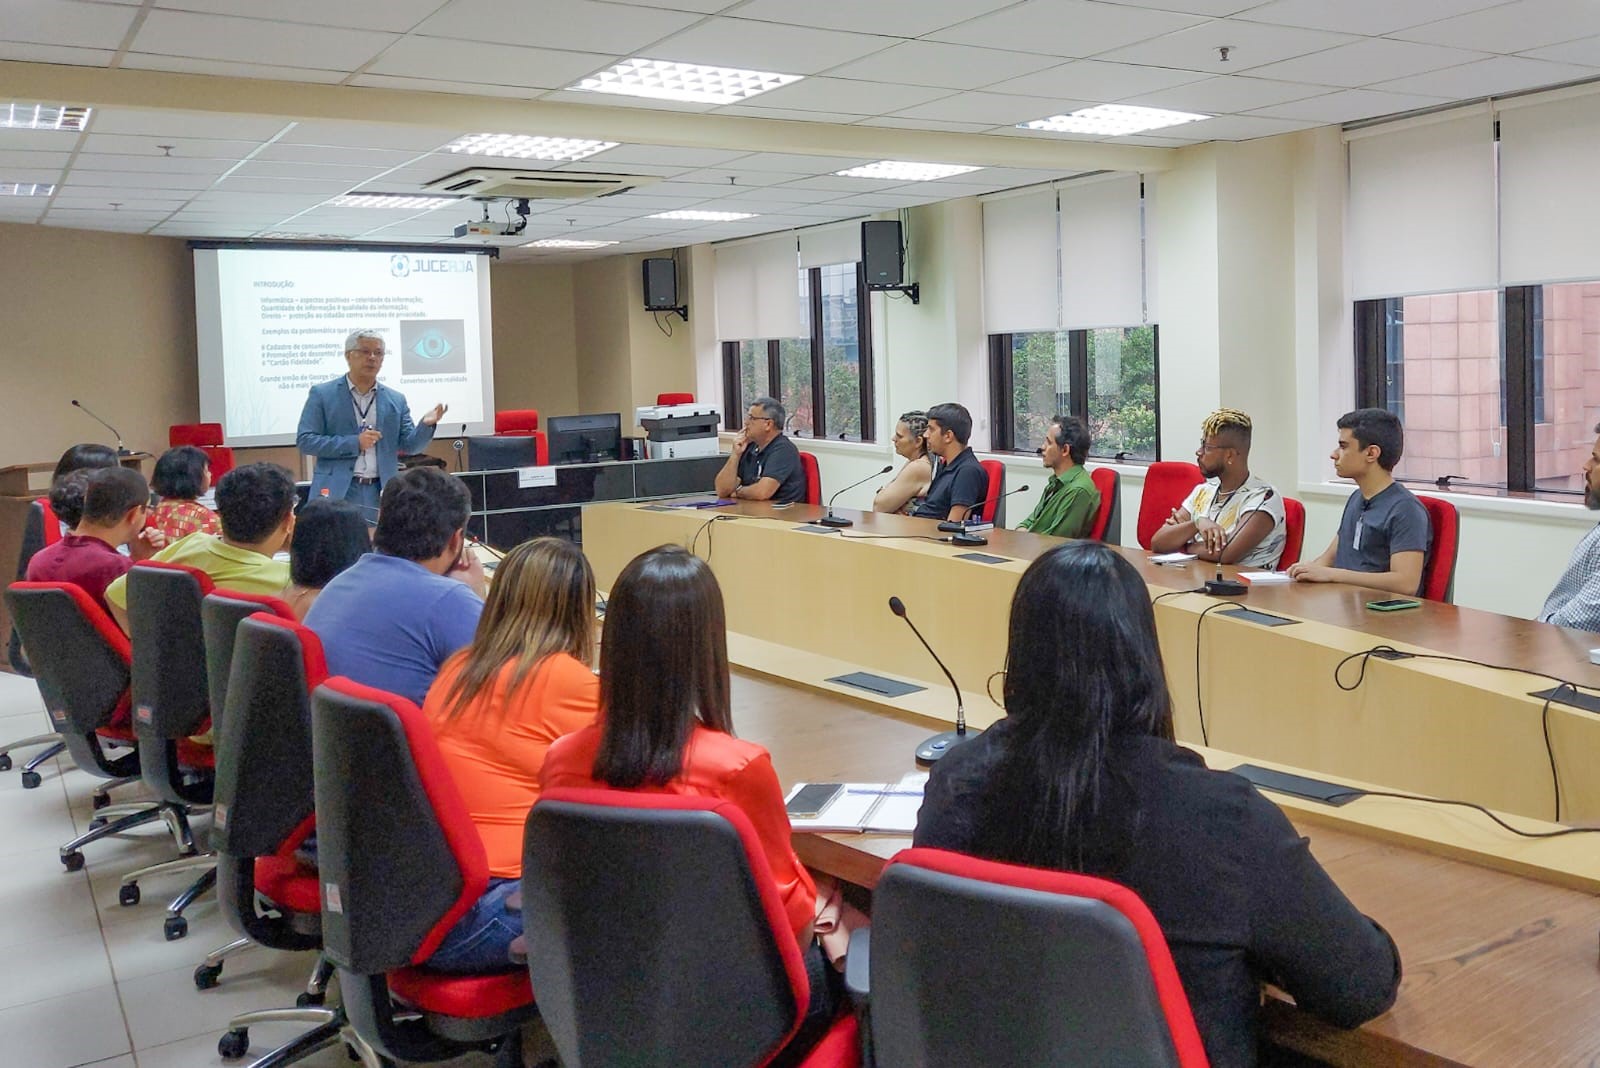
(495, 709)
(667, 725)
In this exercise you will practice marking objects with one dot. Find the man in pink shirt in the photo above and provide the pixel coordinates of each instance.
(114, 504)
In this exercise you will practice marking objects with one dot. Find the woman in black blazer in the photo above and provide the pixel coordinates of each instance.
(1083, 775)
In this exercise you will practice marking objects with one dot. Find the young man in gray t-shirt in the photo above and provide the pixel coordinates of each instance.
(1384, 534)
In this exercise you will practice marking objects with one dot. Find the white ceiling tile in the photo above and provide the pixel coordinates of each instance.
(1371, 17)
(185, 147)
(791, 115)
(685, 190)
(283, 44)
(321, 187)
(167, 124)
(66, 22)
(394, 15)
(1241, 128)
(599, 166)
(1350, 105)
(798, 163)
(105, 161)
(1091, 79)
(368, 135)
(730, 42)
(1214, 8)
(21, 213)
(772, 196)
(1371, 60)
(1584, 51)
(30, 174)
(667, 155)
(376, 158)
(579, 25)
(38, 140)
(1065, 27)
(1251, 45)
(489, 64)
(938, 125)
(1230, 93)
(884, 201)
(565, 96)
(166, 201)
(949, 66)
(33, 160)
(1501, 74)
(230, 69)
(138, 180)
(843, 186)
(891, 18)
(1513, 27)
(347, 173)
(429, 85)
(995, 109)
(846, 95)
(37, 53)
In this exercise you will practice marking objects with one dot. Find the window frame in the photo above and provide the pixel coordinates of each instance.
(732, 386)
(1002, 383)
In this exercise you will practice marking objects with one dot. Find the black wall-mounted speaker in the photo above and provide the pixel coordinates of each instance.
(660, 284)
(882, 255)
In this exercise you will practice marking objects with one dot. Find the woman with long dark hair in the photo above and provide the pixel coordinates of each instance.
(1083, 775)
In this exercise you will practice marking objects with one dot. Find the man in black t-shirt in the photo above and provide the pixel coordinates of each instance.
(764, 464)
(959, 480)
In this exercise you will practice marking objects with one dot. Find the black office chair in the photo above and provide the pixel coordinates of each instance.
(221, 612)
(400, 862)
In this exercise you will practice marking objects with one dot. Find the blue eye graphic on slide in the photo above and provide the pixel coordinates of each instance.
(399, 265)
(432, 346)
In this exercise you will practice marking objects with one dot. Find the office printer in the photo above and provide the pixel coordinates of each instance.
(679, 429)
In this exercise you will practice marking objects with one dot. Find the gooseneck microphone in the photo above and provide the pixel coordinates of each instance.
(964, 536)
(831, 520)
(1226, 587)
(122, 450)
(459, 444)
(940, 744)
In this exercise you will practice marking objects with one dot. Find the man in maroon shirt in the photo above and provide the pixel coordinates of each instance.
(114, 504)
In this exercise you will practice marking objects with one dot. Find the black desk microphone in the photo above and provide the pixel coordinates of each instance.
(940, 744)
(831, 520)
(122, 450)
(963, 536)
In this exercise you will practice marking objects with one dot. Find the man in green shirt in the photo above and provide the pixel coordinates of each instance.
(1070, 500)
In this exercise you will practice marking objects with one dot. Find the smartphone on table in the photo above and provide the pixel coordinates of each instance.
(1394, 604)
(809, 802)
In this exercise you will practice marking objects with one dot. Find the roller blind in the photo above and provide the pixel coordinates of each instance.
(1549, 214)
(822, 245)
(1020, 263)
(1102, 276)
(1422, 208)
(758, 289)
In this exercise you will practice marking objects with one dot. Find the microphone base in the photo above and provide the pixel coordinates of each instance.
(930, 751)
(832, 520)
(951, 526)
(968, 539)
(1222, 587)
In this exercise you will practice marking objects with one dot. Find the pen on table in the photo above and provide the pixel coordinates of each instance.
(901, 792)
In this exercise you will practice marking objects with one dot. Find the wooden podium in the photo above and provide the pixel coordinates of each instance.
(19, 480)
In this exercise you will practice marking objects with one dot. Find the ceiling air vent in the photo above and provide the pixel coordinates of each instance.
(535, 185)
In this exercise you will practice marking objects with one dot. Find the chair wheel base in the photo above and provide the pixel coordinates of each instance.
(207, 976)
(308, 1000)
(5, 761)
(97, 823)
(174, 927)
(128, 894)
(73, 861)
(234, 1044)
(100, 800)
(31, 780)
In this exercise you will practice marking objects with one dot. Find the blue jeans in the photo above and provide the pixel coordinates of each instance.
(481, 940)
(365, 498)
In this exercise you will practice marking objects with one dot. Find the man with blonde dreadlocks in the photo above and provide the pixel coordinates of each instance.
(1232, 517)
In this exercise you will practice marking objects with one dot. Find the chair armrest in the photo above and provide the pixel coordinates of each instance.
(858, 965)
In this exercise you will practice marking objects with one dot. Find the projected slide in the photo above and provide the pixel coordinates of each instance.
(272, 323)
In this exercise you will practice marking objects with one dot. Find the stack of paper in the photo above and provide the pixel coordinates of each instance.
(1265, 578)
(1172, 558)
(890, 808)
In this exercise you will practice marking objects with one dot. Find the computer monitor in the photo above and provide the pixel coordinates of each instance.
(501, 453)
(581, 439)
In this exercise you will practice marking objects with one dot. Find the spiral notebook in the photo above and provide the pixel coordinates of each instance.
(884, 807)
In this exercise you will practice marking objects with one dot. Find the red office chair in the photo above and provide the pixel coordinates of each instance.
(524, 423)
(1294, 533)
(808, 464)
(1107, 525)
(989, 507)
(1444, 544)
(400, 862)
(674, 398)
(1166, 484)
(723, 983)
(207, 437)
(1087, 948)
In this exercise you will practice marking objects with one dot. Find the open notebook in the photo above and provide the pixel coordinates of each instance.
(887, 807)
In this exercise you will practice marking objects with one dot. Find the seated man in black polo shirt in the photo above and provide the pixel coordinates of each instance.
(959, 481)
(764, 464)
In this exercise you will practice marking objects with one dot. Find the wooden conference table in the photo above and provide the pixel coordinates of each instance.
(1497, 933)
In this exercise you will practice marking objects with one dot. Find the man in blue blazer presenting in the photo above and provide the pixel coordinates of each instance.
(357, 428)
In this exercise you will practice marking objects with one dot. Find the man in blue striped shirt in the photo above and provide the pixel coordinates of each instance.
(1575, 602)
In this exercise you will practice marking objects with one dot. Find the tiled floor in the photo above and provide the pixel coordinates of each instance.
(86, 981)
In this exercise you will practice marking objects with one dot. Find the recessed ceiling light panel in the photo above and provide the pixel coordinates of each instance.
(660, 79)
(405, 201)
(42, 117)
(704, 216)
(1112, 120)
(895, 170)
(567, 243)
(26, 189)
(525, 146)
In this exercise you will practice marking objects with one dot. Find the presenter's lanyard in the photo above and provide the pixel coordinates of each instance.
(362, 413)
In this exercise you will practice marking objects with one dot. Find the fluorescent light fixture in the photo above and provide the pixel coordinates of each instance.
(704, 216)
(1112, 120)
(26, 189)
(42, 117)
(526, 146)
(895, 170)
(660, 79)
(566, 242)
(390, 200)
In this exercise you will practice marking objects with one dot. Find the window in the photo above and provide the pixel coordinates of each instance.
(1106, 377)
(824, 380)
(1566, 382)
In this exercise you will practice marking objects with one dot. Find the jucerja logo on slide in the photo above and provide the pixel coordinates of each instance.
(433, 345)
(403, 266)
(399, 265)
